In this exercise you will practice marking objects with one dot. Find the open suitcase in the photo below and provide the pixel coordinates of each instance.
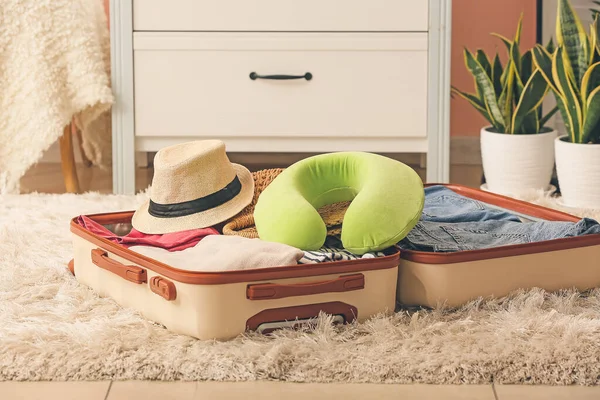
(452, 279)
(222, 305)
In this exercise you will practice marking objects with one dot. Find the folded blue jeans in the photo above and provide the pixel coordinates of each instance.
(451, 222)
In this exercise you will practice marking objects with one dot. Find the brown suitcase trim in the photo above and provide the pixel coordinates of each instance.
(505, 251)
(131, 273)
(163, 287)
(218, 278)
(302, 312)
(269, 291)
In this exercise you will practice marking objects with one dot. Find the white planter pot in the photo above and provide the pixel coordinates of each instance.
(578, 170)
(514, 164)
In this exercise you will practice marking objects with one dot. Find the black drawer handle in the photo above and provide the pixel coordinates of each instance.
(254, 76)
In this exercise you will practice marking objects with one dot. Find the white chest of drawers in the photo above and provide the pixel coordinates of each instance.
(281, 76)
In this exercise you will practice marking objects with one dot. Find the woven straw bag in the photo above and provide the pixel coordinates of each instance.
(243, 223)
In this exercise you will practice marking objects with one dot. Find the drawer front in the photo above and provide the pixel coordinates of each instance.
(199, 85)
(280, 15)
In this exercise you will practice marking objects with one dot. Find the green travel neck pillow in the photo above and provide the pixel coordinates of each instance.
(387, 199)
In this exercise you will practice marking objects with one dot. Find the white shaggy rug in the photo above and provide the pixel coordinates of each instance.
(52, 328)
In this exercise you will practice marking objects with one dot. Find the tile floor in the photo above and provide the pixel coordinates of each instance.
(48, 178)
(126, 390)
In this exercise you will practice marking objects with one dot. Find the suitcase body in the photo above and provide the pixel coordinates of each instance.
(452, 279)
(225, 304)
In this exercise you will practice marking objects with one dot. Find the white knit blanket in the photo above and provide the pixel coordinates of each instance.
(54, 66)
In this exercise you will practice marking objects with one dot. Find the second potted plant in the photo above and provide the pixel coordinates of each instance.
(573, 73)
(517, 149)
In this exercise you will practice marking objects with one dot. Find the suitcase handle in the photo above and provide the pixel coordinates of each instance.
(71, 266)
(267, 321)
(131, 273)
(163, 287)
(269, 291)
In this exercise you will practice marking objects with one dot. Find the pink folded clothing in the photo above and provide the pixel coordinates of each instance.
(175, 241)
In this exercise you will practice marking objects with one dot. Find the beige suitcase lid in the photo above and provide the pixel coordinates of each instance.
(512, 205)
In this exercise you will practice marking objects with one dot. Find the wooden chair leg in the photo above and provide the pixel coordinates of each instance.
(86, 161)
(67, 160)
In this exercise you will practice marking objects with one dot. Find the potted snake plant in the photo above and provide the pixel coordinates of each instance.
(517, 149)
(572, 72)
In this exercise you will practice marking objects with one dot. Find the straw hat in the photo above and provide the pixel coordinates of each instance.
(243, 223)
(194, 186)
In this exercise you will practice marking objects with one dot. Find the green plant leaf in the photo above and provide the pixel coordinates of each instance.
(566, 116)
(515, 56)
(474, 101)
(595, 11)
(505, 101)
(569, 71)
(518, 90)
(485, 62)
(547, 117)
(591, 80)
(592, 116)
(478, 92)
(571, 35)
(593, 42)
(526, 66)
(596, 28)
(507, 70)
(508, 80)
(530, 124)
(550, 46)
(565, 87)
(543, 62)
(496, 74)
(519, 29)
(531, 99)
(486, 90)
(507, 42)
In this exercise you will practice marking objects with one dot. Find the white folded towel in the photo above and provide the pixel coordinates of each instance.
(217, 253)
